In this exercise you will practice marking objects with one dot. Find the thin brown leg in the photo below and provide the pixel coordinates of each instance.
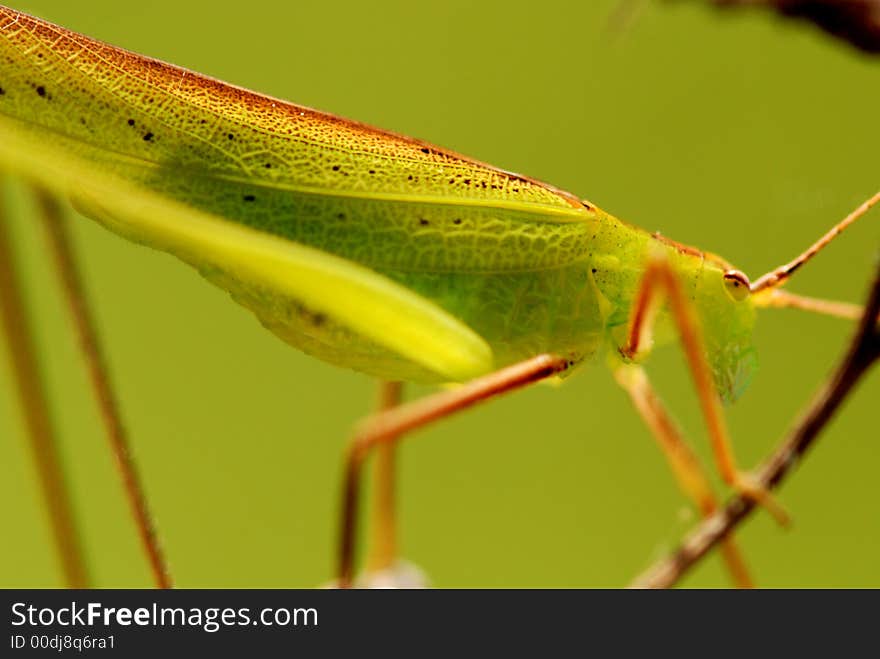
(390, 426)
(681, 458)
(35, 406)
(65, 263)
(661, 281)
(383, 523)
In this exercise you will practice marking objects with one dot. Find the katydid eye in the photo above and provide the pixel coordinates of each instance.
(737, 285)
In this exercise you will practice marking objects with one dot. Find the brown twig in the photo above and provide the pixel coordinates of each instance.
(65, 263)
(864, 351)
(854, 21)
(16, 325)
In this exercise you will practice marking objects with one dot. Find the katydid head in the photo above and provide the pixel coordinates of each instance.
(737, 284)
(720, 297)
(727, 317)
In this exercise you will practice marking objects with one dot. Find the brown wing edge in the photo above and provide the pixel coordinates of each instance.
(252, 100)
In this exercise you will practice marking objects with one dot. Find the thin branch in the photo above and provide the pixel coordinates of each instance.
(38, 421)
(854, 21)
(74, 291)
(864, 351)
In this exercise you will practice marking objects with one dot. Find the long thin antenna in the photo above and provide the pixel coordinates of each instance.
(622, 16)
(15, 321)
(74, 291)
(781, 274)
(782, 299)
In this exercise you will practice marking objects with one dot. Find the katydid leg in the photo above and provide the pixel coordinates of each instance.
(383, 522)
(64, 258)
(390, 426)
(39, 424)
(685, 465)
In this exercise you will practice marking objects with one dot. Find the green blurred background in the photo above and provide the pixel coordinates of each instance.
(736, 132)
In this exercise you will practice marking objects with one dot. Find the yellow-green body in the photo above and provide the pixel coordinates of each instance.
(361, 247)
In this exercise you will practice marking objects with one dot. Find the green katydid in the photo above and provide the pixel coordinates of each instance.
(377, 252)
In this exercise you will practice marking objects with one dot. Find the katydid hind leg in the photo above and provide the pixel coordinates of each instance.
(41, 430)
(65, 261)
(391, 426)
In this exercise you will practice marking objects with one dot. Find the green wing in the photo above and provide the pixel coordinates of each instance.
(354, 296)
(299, 214)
